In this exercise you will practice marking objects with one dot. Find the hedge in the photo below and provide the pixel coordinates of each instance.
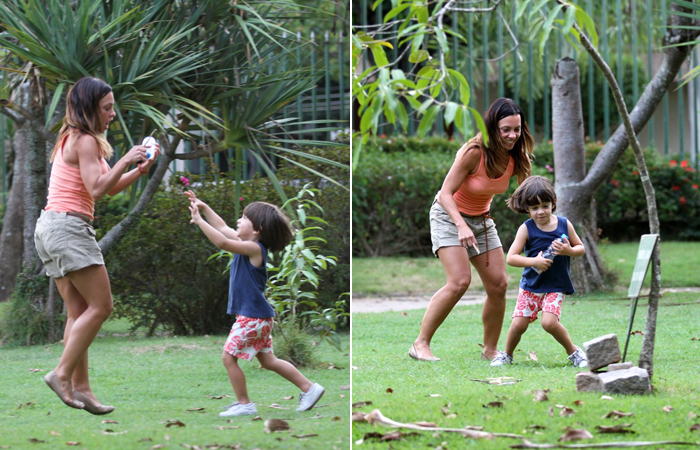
(397, 178)
(160, 271)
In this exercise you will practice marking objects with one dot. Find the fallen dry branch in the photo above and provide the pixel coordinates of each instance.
(528, 444)
(376, 417)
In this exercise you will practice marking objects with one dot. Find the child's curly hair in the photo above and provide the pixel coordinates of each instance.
(272, 224)
(535, 190)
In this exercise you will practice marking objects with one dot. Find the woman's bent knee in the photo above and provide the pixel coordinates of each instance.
(497, 288)
(459, 286)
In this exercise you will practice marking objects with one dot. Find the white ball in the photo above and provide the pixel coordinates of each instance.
(150, 144)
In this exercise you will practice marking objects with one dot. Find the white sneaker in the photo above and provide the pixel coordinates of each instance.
(237, 409)
(501, 359)
(307, 400)
(578, 358)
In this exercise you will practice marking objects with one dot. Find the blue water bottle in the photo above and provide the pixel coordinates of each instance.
(548, 253)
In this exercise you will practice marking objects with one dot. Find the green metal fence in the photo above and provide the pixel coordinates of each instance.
(329, 100)
(630, 39)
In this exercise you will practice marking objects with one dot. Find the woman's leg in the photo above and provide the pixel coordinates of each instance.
(551, 324)
(455, 261)
(495, 283)
(88, 295)
(285, 369)
(75, 306)
(236, 377)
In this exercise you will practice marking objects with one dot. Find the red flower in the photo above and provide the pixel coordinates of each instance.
(695, 186)
(684, 163)
(615, 183)
(383, 136)
(635, 173)
(682, 200)
(689, 169)
(676, 188)
(672, 163)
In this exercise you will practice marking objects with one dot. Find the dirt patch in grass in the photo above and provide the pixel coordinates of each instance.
(169, 347)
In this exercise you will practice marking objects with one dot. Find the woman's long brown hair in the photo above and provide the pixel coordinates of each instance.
(495, 156)
(82, 104)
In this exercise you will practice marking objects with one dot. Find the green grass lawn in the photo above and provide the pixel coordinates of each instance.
(444, 392)
(402, 275)
(155, 380)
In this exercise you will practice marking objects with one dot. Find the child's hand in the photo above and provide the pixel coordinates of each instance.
(194, 200)
(541, 263)
(562, 247)
(194, 211)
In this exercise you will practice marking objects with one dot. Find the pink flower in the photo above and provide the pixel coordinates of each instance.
(240, 199)
(673, 163)
(550, 168)
(684, 163)
(695, 186)
(185, 181)
(383, 136)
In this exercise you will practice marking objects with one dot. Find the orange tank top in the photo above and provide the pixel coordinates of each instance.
(67, 190)
(474, 196)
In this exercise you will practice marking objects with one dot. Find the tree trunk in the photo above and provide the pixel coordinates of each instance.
(570, 170)
(11, 239)
(35, 181)
(679, 32)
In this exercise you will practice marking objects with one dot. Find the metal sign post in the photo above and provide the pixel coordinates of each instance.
(646, 248)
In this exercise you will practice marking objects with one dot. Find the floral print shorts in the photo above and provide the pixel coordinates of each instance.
(248, 336)
(530, 303)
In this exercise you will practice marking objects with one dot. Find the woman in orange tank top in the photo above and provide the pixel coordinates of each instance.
(64, 235)
(462, 229)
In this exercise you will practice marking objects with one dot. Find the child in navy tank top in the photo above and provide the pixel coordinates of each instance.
(543, 289)
(263, 226)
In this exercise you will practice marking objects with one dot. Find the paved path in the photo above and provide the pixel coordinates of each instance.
(408, 302)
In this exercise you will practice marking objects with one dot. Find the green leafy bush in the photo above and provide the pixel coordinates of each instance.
(25, 322)
(160, 271)
(393, 191)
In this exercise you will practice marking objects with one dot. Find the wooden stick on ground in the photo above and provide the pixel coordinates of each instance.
(376, 417)
(528, 444)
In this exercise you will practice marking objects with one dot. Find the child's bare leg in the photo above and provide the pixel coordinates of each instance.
(551, 324)
(518, 327)
(285, 369)
(237, 377)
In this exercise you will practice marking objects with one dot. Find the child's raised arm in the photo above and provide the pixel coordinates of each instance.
(572, 246)
(213, 218)
(515, 258)
(248, 248)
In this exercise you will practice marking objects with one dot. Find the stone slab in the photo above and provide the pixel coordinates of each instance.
(627, 381)
(588, 382)
(602, 351)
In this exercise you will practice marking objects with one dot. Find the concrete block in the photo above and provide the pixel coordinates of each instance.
(588, 382)
(620, 366)
(602, 351)
(627, 381)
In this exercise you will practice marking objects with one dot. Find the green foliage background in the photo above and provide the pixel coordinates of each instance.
(160, 271)
(397, 179)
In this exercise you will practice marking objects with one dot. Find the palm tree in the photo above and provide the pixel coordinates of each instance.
(194, 70)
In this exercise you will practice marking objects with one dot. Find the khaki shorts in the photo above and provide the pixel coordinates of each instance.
(443, 231)
(65, 243)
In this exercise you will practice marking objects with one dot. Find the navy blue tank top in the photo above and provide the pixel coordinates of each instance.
(556, 278)
(247, 286)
